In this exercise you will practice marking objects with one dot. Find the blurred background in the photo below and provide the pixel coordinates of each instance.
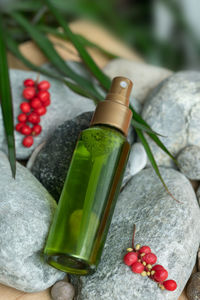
(164, 32)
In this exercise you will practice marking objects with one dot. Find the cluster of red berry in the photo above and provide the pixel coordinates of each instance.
(141, 260)
(38, 99)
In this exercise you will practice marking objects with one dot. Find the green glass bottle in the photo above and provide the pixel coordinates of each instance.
(81, 222)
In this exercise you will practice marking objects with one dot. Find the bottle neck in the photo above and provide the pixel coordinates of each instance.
(112, 114)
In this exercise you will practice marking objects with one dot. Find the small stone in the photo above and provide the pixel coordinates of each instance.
(137, 161)
(189, 162)
(198, 260)
(193, 287)
(62, 290)
(26, 212)
(145, 77)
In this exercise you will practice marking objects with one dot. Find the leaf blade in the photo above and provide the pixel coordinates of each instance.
(47, 48)
(152, 135)
(87, 59)
(6, 101)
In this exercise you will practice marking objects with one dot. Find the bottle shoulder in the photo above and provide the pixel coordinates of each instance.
(102, 139)
(102, 131)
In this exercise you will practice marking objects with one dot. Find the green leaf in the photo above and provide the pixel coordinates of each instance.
(143, 127)
(47, 48)
(152, 159)
(87, 59)
(152, 135)
(85, 42)
(6, 101)
(13, 47)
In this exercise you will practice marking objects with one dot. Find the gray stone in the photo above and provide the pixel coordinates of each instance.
(173, 110)
(62, 290)
(26, 211)
(137, 161)
(159, 224)
(193, 287)
(145, 77)
(65, 105)
(51, 161)
(189, 162)
(198, 260)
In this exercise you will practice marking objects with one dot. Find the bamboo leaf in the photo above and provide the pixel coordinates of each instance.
(82, 39)
(13, 47)
(6, 101)
(47, 48)
(152, 135)
(143, 127)
(87, 59)
(152, 160)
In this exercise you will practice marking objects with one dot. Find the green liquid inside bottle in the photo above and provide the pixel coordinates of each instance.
(87, 202)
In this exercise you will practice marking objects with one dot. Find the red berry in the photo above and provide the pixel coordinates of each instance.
(150, 258)
(29, 93)
(19, 126)
(137, 267)
(160, 275)
(25, 107)
(43, 85)
(43, 95)
(29, 82)
(28, 141)
(130, 258)
(22, 117)
(157, 267)
(47, 102)
(36, 129)
(145, 249)
(35, 103)
(41, 110)
(34, 118)
(26, 130)
(170, 285)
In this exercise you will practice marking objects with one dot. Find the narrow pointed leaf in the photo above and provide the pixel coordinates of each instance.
(82, 39)
(152, 160)
(103, 79)
(6, 101)
(13, 47)
(152, 135)
(47, 48)
(143, 127)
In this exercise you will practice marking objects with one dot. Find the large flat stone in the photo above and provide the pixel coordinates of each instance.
(170, 228)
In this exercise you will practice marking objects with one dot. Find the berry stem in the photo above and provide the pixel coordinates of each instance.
(37, 78)
(133, 238)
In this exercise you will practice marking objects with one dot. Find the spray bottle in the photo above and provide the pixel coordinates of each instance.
(82, 219)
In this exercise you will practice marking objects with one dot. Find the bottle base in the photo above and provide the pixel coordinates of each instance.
(70, 264)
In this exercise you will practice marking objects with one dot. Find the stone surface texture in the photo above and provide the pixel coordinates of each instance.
(144, 77)
(160, 224)
(189, 162)
(26, 211)
(193, 287)
(172, 110)
(62, 290)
